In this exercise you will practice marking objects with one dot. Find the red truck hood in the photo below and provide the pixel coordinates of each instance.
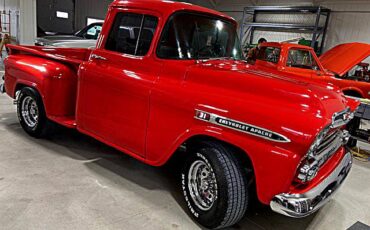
(259, 96)
(344, 57)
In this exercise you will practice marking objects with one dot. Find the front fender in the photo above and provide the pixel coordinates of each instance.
(274, 167)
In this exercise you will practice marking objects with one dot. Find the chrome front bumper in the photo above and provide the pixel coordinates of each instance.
(302, 205)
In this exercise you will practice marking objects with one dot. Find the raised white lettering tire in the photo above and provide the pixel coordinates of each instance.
(214, 186)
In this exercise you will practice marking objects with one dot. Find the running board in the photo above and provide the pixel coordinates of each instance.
(69, 121)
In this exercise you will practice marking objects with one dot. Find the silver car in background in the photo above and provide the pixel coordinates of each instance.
(85, 38)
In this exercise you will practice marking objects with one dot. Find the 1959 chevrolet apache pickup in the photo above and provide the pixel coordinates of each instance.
(168, 75)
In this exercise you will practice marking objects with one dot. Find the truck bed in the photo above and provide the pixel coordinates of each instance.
(56, 68)
(66, 55)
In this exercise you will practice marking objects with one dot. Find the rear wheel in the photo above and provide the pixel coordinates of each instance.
(214, 186)
(31, 113)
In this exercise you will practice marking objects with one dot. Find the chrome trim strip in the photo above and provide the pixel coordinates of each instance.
(240, 126)
(302, 205)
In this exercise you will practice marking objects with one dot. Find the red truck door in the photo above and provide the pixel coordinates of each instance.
(115, 84)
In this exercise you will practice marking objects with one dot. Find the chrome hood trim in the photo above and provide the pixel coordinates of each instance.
(240, 126)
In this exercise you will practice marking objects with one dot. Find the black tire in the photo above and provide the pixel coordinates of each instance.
(231, 202)
(41, 124)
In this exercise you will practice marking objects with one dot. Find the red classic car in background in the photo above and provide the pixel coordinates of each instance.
(340, 66)
(180, 82)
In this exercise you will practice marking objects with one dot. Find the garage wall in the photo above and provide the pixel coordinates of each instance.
(348, 21)
(27, 21)
(13, 6)
(23, 20)
(49, 20)
(89, 8)
(98, 9)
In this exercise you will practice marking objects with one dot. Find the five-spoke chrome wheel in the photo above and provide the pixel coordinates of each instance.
(202, 185)
(29, 111)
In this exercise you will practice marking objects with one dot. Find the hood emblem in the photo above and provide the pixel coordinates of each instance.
(240, 126)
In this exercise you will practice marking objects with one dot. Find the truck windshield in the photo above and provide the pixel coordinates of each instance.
(189, 36)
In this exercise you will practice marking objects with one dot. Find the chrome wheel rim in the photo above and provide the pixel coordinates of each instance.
(29, 111)
(202, 185)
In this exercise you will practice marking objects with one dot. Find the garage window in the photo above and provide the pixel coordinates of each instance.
(132, 34)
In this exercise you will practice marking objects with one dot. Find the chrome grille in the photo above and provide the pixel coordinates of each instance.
(331, 143)
(328, 146)
(327, 141)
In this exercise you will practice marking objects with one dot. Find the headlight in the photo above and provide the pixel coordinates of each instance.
(307, 171)
(326, 143)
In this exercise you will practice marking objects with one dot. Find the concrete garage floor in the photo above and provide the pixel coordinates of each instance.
(71, 181)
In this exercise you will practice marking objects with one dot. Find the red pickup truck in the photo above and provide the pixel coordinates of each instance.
(168, 75)
(336, 66)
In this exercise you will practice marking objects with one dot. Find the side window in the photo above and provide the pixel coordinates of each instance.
(269, 54)
(132, 34)
(303, 59)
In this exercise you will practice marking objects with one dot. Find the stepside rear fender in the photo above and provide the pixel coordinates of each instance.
(55, 81)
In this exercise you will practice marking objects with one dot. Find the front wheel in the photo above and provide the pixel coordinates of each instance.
(214, 186)
(31, 113)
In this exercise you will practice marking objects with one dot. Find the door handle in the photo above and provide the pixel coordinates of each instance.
(97, 57)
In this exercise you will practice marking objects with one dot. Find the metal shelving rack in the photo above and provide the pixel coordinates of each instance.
(315, 29)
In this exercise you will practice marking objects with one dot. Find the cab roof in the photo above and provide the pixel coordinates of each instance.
(285, 45)
(166, 7)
